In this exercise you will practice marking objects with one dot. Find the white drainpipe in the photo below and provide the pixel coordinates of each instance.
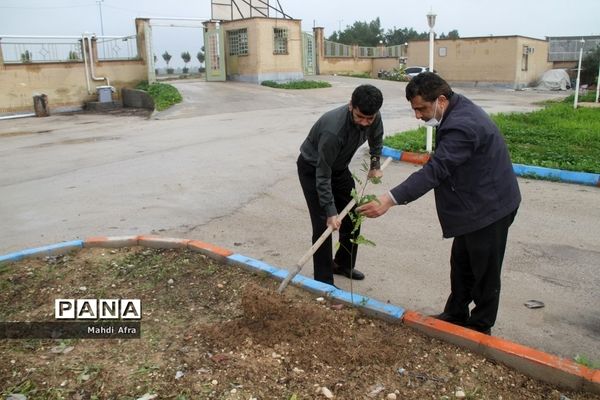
(91, 54)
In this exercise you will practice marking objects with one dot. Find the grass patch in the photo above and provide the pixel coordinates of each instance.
(358, 75)
(589, 97)
(413, 140)
(557, 136)
(297, 84)
(586, 361)
(163, 94)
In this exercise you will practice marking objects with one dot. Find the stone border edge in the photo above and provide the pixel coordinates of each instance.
(537, 364)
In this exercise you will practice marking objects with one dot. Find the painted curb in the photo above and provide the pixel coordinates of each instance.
(532, 362)
(209, 250)
(583, 178)
(111, 242)
(53, 249)
(367, 305)
(535, 363)
(157, 242)
(526, 171)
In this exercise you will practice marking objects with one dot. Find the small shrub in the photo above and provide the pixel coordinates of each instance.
(26, 56)
(164, 95)
(356, 74)
(297, 84)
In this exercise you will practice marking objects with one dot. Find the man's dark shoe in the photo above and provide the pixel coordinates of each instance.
(356, 275)
(449, 318)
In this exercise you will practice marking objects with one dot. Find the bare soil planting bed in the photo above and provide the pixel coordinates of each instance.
(215, 331)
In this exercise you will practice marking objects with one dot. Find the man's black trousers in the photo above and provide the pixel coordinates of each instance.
(342, 184)
(475, 267)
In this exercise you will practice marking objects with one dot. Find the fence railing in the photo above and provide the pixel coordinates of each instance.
(333, 49)
(121, 48)
(45, 49)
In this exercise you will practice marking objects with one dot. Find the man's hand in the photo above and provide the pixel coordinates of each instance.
(375, 173)
(334, 222)
(374, 209)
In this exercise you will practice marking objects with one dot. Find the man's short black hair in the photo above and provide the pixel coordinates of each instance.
(429, 86)
(367, 98)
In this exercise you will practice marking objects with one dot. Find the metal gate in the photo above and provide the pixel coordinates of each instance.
(308, 53)
(215, 51)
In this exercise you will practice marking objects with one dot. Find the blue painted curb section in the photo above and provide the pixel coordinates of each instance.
(582, 178)
(367, 304)
(389, 152)
(50, 249)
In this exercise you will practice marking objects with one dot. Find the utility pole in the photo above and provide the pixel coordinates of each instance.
(101, 25)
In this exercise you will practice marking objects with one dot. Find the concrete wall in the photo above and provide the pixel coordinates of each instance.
(484, 60)
(261, 63)
(63, 82)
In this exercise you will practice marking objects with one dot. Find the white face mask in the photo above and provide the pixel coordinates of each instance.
(433, 122)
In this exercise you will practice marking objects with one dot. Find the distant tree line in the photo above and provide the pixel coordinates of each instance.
(371, 34)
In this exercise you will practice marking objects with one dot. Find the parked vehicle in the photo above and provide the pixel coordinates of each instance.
(411, 72)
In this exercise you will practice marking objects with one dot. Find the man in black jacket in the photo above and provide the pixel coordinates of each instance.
(327, 182)
(476, 196)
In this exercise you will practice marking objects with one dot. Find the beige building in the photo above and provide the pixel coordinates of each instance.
(259, 49)
(511, 61)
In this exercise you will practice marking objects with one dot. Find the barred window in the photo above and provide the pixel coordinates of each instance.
(238, 42)
(280, 41)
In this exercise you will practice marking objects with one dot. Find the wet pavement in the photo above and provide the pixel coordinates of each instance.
(220, 167)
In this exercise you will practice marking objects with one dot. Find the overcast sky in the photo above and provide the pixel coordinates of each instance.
(534, 18)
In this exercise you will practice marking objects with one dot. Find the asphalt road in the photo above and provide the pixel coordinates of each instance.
(220, 167)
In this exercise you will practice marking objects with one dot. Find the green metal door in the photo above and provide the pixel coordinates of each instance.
(215, 53)
(308, 53)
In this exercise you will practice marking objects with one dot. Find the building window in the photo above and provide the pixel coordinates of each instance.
(280, 41)
(238, 42)
(525, 58)
(443, 51)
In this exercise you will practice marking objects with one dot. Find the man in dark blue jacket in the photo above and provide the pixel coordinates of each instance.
(476, 196)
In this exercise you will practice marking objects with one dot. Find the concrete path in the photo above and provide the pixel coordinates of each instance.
(220, 167)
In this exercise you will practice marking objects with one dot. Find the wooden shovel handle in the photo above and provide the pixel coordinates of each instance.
(322, 238)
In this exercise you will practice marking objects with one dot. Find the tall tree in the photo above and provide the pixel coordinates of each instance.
(589, 66)
(360, 33)
(371, 33)
(185, 56)
(201, 56)
(402, 35)
(167, 57)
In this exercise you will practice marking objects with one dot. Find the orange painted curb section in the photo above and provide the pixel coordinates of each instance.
(415, 158)
(536, 363)
(199, 245)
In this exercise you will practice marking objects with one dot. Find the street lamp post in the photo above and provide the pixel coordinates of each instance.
(431, 22)
(598, 83)
(578, 74)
